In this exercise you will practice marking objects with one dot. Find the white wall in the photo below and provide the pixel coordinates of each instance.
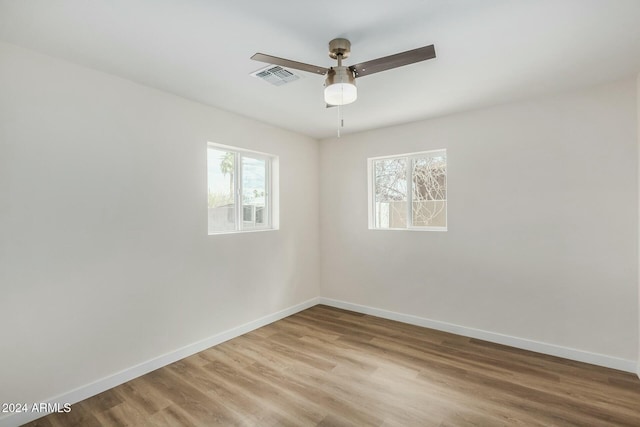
(105, 261)
(543, 223)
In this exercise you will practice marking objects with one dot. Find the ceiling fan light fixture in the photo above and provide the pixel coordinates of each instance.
(340, 86)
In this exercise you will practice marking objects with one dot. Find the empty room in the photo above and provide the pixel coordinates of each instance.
(291, 213)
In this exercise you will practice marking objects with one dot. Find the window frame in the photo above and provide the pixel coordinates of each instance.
(271, 162)
(409, 157)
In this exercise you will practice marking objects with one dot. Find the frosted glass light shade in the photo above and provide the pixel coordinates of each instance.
(340, 86)
(340, 93)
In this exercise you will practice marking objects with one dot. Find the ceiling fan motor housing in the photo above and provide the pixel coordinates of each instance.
(340, 75)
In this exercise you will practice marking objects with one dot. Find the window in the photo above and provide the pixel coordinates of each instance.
(408, 191)
(240, 189)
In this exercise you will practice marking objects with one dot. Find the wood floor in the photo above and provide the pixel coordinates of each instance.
(331, 367)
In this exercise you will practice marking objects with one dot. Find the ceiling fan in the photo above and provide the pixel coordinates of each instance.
(340, 85)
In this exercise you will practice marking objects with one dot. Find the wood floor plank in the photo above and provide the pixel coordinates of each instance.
(331, 367)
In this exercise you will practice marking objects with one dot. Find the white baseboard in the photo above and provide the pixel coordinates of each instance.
(96, 387)
(525, 344)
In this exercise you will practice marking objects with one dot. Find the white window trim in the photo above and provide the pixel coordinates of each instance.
(271, 194)
(371, 191)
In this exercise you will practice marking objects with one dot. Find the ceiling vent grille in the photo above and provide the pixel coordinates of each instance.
(276, 75)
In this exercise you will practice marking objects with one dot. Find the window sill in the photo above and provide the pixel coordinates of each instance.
(217, 233)
(410, 229)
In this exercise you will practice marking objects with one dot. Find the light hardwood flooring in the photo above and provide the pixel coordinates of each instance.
(331, 367)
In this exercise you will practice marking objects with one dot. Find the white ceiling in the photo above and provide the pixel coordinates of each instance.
(488, 51)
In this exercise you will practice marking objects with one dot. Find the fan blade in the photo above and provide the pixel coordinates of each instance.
(393, 61)
(289, 63)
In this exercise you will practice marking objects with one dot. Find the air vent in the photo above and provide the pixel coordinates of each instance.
(276, 75)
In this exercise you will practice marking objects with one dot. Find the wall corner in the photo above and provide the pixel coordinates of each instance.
(638, 172)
